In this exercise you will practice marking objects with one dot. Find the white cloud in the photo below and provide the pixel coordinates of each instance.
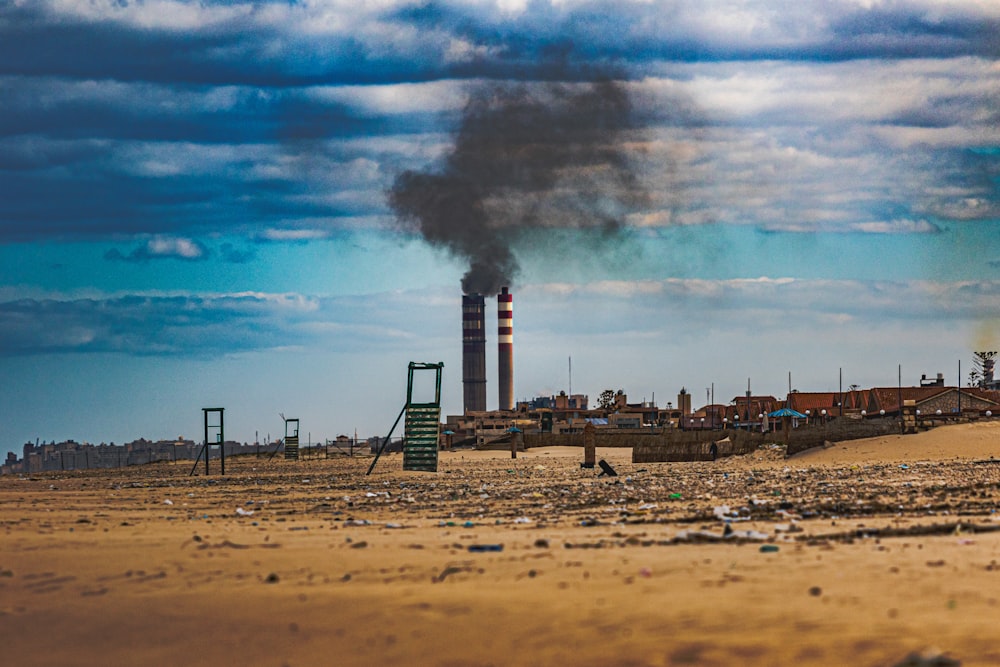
(395, 99)
(160, 14)
(292, 234)
(463, 51)
(896, 227)
(165, 246)
(858, 300)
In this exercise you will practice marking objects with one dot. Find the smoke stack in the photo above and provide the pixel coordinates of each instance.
(505, 348)
(474, 352)
(987, 372)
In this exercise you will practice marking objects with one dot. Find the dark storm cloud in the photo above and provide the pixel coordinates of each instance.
(243, 50)
(198, 325)
(107, 49)
(66, 109)
(143, 325)
(280, 44)
(100, 157)
(641, 34)
(100, 99)
(101, 201)
(912, 30)
(122, 111)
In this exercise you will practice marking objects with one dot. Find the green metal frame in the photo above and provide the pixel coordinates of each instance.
(419, 366)
(220, 438)
(292, 440)
(422, 427)
(420, 441)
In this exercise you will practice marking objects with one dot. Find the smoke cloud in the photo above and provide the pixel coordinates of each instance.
(526, 157)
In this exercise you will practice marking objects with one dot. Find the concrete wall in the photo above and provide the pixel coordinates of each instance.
(695, 446)
(650, 446)
(838, 429)
(676, 445)
(602, 438)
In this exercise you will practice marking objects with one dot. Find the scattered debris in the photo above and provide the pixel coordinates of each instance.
(606, 469)
(928, 658)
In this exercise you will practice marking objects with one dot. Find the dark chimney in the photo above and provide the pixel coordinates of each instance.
(474, 352)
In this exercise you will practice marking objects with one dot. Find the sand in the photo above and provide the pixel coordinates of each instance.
(871, 552)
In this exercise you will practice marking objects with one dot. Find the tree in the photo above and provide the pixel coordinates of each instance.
(606, 401)
(982, 366)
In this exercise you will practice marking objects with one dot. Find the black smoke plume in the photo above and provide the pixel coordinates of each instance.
(526, 157)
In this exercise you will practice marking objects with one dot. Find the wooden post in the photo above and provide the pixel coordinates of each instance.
(589, 446)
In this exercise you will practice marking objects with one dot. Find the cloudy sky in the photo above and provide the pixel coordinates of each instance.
(218, 203)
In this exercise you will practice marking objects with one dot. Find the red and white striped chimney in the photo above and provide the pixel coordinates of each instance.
(505, 348)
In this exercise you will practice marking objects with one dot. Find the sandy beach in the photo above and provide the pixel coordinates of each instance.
(874, 552)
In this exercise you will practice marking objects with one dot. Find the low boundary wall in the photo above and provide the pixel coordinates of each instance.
(664, 445)
(698, 448)
(661, 445)
(839, 429)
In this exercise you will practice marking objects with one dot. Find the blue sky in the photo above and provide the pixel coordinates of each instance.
(195, 209)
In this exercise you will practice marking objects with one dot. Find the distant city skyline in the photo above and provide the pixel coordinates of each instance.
(194, 207)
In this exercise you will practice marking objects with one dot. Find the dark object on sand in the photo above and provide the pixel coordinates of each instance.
(606, 469)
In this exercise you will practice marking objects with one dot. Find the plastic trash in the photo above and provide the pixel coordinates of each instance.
(480, 548)
(754, 535)
(357, 522)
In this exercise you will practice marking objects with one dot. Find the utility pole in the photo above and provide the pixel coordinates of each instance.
(748, 405)
(900, 397)
(841, 388)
